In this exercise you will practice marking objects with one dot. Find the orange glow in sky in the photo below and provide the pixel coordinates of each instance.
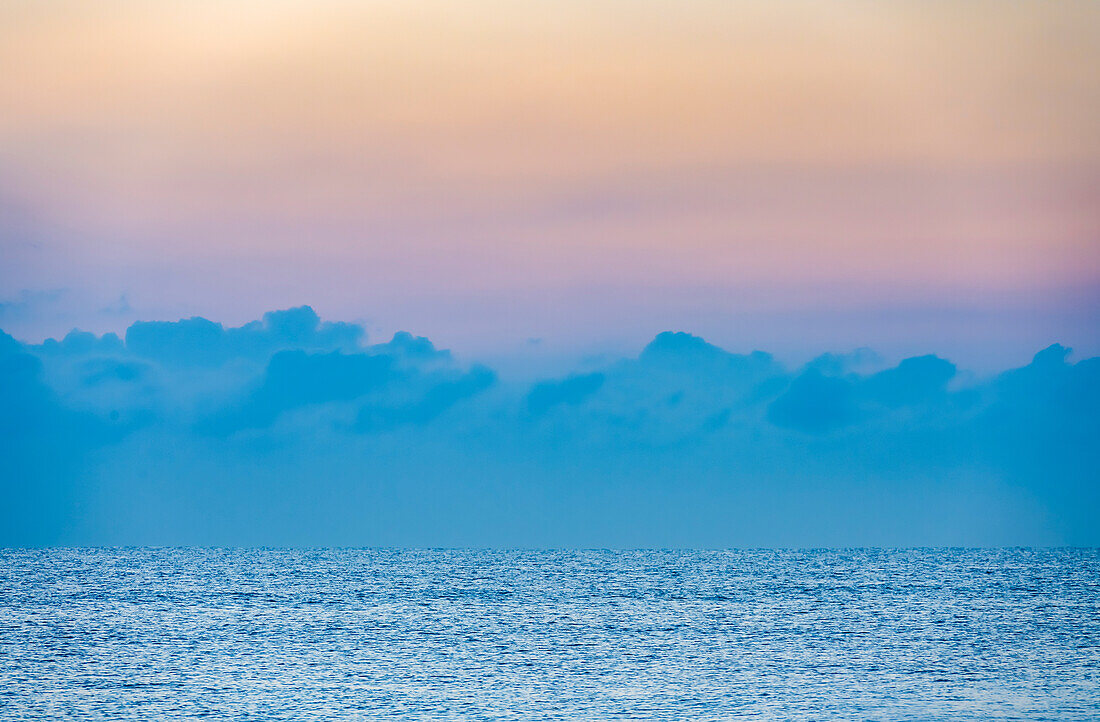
(675, 158)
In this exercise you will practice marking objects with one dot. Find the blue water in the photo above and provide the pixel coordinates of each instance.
(368, 634)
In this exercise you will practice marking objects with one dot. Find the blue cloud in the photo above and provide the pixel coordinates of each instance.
(203, 422)
(78, 343)
(43, 449)
(28, 303)
(679, 350)
(859, 361)
(30, 408)
(915, 380)
(416, 349)
(99, 371)
(436, 394)
(815, 403)
(573, 390)
(295, 379)
(197, 341)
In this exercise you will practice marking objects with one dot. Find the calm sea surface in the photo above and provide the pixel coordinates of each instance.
(368, 634)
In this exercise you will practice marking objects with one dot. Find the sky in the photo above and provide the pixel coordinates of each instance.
(684, 273)
(914, 176)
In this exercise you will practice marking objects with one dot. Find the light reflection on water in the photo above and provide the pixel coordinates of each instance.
(367, 634)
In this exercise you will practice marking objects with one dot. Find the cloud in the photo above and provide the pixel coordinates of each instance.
(434, 396)
(678, 388)
(44, 446)
(29, 303)
(915, 380)
(295, 379)
(199, 342)
(31, 409)
(120, 307)
(678, 350)
(404, 381)
(409, 348)
(293, 408)
(99, 371)
(77, 343)
(815, 403)
(860, 361)
(572, 390)
(1049, 394)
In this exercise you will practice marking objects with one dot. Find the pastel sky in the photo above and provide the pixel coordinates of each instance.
(801, 176)
(677, 272)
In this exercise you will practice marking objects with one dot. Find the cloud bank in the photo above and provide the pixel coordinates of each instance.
(293, 430)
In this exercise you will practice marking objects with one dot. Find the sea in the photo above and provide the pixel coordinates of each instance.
(434, 634)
